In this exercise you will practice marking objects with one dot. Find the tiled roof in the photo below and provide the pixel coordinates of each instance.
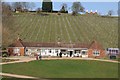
(20, 43)
(51, 44)
(95, 45)
(37, 44)
(17, 43)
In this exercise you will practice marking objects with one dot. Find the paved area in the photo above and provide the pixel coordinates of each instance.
(21, 59)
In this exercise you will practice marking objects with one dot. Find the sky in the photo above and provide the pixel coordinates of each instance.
(63, 0)
(102, 6)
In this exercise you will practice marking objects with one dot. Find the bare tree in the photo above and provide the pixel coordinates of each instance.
(6, 9)
(77, 7)
(110, 12)
(31, 5)
(63, 8)
(39, 10)
(17, 6)
(23, 5)
(118, 12)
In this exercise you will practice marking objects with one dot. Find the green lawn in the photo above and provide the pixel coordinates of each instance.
(64, 69)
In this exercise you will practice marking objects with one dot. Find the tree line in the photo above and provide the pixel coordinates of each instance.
(47, 6)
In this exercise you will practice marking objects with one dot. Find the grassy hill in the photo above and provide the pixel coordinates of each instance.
(82, 28)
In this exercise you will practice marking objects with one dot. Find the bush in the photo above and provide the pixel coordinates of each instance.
(74, 13)
(4, 54)
(59, 13)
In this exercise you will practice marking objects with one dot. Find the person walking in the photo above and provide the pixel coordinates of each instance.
(60, 54)
(36, 57)
(40, 57)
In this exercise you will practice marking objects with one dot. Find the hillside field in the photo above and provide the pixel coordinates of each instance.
(67, 28)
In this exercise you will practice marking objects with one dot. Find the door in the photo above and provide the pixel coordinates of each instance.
(71, 53)
(84, 53)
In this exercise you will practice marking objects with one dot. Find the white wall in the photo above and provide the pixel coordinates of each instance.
(16, 51)
(46, 52)
(43, 51)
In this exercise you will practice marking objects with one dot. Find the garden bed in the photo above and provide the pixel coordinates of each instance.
(9, 60)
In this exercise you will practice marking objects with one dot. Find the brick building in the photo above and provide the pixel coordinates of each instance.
(21, 48)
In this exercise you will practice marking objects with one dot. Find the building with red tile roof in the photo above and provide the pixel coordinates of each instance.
(22, 48)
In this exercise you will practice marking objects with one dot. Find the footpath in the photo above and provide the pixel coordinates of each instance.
(18, 76)
(28, 59)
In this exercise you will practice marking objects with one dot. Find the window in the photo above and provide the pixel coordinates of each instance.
(38, 49)
(50, 51)
(83, 52)
(16, 50)
(96, 53)
(26, 50)
(77, 51)
(116, 51)
(113, 51)
(110, 50)
(63, 50)
(43, 50)
(56, 51)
